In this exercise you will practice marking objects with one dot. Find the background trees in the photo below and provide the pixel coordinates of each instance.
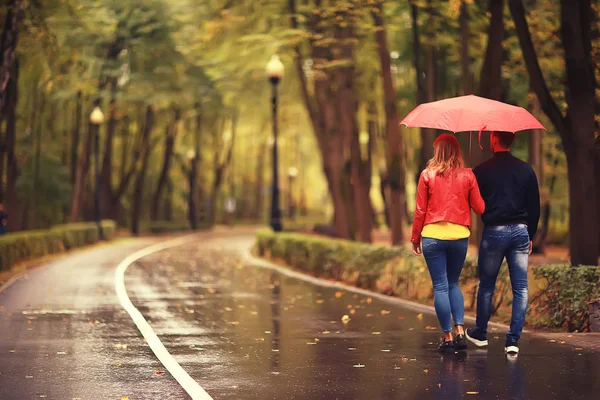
(182, 86)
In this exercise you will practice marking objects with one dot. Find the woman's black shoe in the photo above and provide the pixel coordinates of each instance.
(460, 343)
(446, 346)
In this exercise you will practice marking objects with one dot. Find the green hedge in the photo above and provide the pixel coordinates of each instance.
(159, 227)
(28, 245)
(397, 272)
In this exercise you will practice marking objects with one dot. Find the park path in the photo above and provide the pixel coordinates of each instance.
(243, 331)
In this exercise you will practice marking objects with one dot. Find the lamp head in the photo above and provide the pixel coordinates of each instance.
(97, 117)
(293, 172)
(275, 69)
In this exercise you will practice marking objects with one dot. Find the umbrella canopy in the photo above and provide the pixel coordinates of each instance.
(471, 113)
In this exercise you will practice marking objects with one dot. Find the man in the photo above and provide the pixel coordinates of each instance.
(3, 220)
(509, 187)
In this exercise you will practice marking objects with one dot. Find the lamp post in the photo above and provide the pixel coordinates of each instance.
(96, 119)
(275, 71)
(292, 175)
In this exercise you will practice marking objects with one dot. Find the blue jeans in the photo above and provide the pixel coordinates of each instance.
(445, 260)
(498, 242)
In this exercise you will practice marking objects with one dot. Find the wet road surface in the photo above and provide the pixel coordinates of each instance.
(245, 332)
(63, 334)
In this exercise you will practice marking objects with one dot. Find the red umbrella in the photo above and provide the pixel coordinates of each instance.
(471, 113)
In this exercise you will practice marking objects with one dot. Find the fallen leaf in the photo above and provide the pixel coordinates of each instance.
(352, 312)
(376, 333)
(349, 306)
(471, 393)
(404, 359)
(430, 328)
(570, 336)
(400, 318)
(326, 332)
(28, 376)
(260, 340)
(397, 367)
(359, 366)
(228, 309)
(439, 385)
(320, 301)
(345, 319)
(426, 371)
(386, 350)
(267, 332)
(420, 316)
(552, 341)
(351, 348)
(369, 315)
(159, 372)
(338, 294)
(562, 342)
(311, 343)
(369, 300)
(61, 353)
(578, 348)
(411, 329)
(235, 323)
(385, 312)
(125, 398)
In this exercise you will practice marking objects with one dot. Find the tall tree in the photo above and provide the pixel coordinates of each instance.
(577, 127)
(395, 145)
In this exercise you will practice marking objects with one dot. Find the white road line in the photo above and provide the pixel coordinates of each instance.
(189, 385)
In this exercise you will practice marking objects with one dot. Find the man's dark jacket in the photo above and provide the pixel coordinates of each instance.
(510, 189)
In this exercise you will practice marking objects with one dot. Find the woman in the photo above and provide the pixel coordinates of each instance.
(447, 191)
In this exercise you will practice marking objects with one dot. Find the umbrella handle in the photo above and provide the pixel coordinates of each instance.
(479, 138)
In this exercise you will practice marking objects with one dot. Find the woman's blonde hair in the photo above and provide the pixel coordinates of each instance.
(447, 155)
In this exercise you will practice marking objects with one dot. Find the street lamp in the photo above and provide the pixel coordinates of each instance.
(292, 175)
(96, 119)
(275, 71)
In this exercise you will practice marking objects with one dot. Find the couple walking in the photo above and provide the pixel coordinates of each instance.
(504, 190)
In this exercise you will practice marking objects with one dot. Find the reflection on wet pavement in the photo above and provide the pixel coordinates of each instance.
(245, 332)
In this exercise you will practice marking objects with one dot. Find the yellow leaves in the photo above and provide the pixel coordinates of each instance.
(425, 371)
(260, 340)
(125, 398)
(376, 333)
(320, 301)
(338, 294)
(369, 300)
(385, 312)
(359, 366)
(420, 316)
(472, 393)
(159, 373)
(345, 319)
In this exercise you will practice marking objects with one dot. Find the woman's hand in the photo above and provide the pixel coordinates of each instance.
(417, 249)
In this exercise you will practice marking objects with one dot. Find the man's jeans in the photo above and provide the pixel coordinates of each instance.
(512, 242)
(445, 260)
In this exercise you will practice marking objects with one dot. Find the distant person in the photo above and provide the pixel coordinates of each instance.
(510, 190)
(446, 193)
(3, 220)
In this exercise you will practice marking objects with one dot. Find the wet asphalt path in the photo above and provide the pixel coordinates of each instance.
(63, 334)
(245, 332)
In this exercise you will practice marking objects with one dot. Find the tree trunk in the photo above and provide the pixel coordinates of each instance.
(170, 136)
(83, 168)
(8, 46)
(395, 146)
(360, 176)
(465, 58)
(38, 131)
(138, 192)
(321, 110)
(76, 134)
(535, 159)
(106, 181)
(193, 201)
(12, 167)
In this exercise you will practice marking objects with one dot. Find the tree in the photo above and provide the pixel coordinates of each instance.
(395, 159)
(577, 127)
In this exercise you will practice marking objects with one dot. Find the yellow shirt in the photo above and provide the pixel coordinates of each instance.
(445, 231)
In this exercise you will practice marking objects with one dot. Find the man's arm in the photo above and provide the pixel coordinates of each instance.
(532, 203)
